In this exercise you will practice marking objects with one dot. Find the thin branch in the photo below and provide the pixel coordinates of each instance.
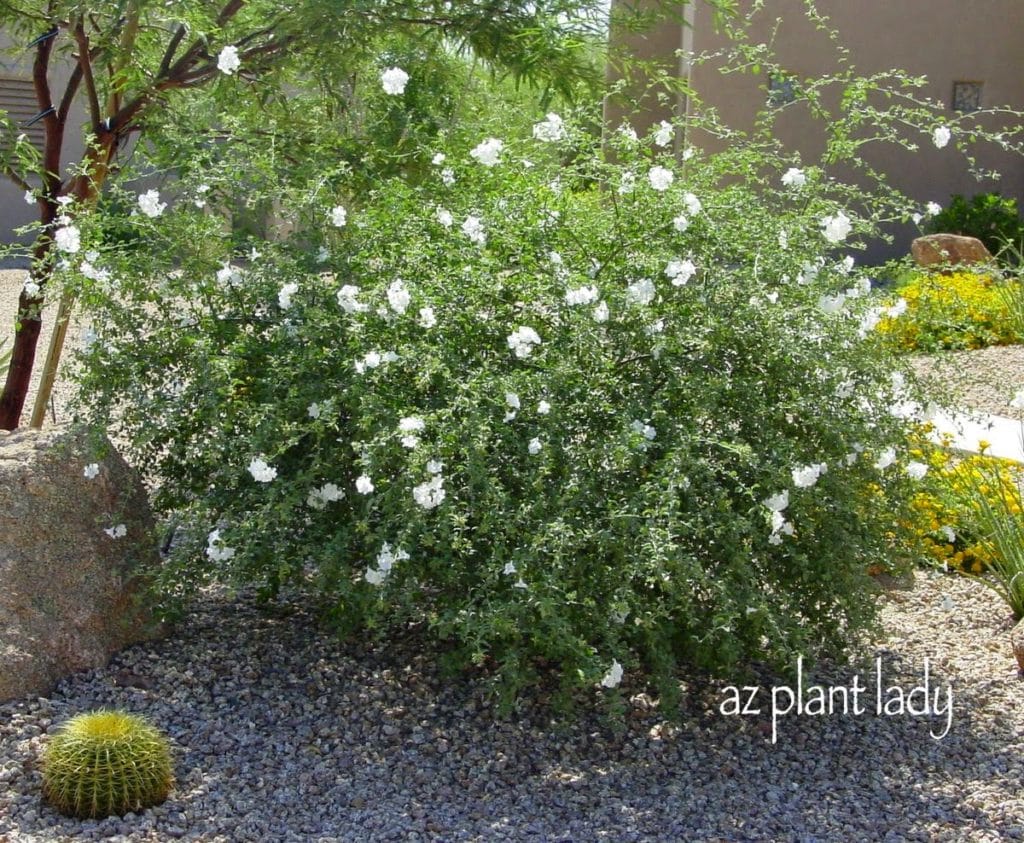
(69, 93)
(85, 62)
(14, 177)
(172, 48)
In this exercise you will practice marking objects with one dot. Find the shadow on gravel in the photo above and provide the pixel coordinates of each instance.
(281, 734)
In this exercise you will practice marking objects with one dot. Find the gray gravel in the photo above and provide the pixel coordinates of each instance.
(985, 379)
(282, 734)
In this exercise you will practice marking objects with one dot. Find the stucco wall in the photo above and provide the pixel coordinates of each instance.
(945, 40)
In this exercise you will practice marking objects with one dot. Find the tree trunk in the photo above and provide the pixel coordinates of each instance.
(19, 373)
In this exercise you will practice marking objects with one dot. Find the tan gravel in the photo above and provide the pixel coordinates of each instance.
(11, 281)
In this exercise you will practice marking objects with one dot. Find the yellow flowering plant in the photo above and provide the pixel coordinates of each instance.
(962, 310)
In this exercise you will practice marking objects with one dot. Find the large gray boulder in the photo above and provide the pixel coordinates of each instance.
(75, 527)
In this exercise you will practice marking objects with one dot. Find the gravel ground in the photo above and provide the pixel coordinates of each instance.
(984, 380)
(281, 734)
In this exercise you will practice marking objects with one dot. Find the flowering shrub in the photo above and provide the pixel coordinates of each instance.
(603, 417)
(958, 311)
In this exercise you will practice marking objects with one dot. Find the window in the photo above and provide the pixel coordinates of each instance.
(18, 99)
(781, 90)
(966, 96)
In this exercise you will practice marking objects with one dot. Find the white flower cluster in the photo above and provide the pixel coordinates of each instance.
(228, 61)
(680, 271)
(284, 295)
(393, 81)
(261, 471)
(347, 299)
(118, 531)
(836, 228)
(385, 562)
(551, 129)
(522, 340)
(373, 359)
(487, 152)
(409, 427)
(150, 204)
(473, 228)
(328, 493)
(431, 493)
(216, 550)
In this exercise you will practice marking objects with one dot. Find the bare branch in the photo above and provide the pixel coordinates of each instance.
(85, 62)
(172, 48)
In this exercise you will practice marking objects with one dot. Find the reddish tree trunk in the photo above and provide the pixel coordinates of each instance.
(19, 372)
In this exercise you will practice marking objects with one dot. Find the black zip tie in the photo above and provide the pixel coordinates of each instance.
(44, 37)
(39, 117)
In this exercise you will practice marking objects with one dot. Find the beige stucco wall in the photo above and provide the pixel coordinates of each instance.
(14, 212)
(944, 40)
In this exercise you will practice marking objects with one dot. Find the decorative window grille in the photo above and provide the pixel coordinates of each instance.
(967, 96)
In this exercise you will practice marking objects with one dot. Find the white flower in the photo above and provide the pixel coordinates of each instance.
(328, 493)
(643, 429)
(261, 471)
(487, 152)
(216, 550)
(228, 61)
(898, 309)
(338, 216)
(522, 340)
(30, 198)
(627, 182)
(932, 209)
(614, 675)
(1018, 400)
(582, 295)
(887, 458)
(228, 275)
(347, 299)
(31, 288)
(91, 470)
(520, 583)
(794, 177)
(601, 312)
(434, 466)
(410, 442)
(364, 485)
(427, 318)
(543, 408)
(680, 271)
(375, 576)
(663, 134)
(284, 295)
(398, 297)
(941, 135)
(681, 223)
(551, 129)
(777, 503)
(509, 569)
(783, 239)
(448, 176)
(535, 446)
(660, 178)
(627, 132)
(641, 292)
(916, 218)
(692, 204)
(512, 400)
(836, 228)
(117, 532)
(445, 217)
(806, 476)
(411, 424)
(430, 494)
(473, 228)
(832, 304)
(949, 533)
(150, 204)
(394, 80)
(68, 239)
(916, 470)
(313, 410)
